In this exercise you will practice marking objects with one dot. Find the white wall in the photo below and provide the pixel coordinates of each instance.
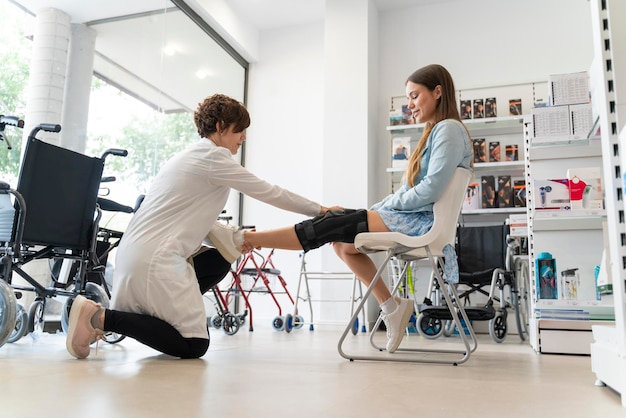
(482, 43)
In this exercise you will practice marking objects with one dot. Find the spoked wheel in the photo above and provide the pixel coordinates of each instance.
(36, 316)
(8, 311)
(498, 326)
(521, 298)
(216, 321)
(430, 328)
(230, 324)
(21, 325)
(279, 323)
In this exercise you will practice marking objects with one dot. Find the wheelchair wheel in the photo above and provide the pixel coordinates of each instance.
(216, 321)
(429, 328)
(498, 327)
(36, 316)
(521, 298)
(8, 311)
(21, 325)
(231, 324)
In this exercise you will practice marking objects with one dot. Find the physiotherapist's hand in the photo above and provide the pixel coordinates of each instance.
(325, 209)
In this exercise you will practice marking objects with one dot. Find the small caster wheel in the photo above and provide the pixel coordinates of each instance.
(21, 325)
(216, 321)
(231, 324)
(279, 323)
(288, 323)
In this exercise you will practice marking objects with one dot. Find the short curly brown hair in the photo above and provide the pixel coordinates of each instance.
(220, 111)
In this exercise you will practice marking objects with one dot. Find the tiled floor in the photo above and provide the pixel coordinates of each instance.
(267, 373)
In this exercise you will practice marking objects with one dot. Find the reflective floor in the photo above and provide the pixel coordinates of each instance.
(267, 373)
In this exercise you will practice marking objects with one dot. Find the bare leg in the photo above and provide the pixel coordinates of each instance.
(283, 238)
(361, 264)
(363, 267)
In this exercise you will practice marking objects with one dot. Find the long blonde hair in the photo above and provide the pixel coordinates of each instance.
(430, 77)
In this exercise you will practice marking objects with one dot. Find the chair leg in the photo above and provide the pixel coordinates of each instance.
(417, 355)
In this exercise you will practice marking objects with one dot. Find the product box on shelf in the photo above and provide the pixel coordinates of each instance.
(515, 107)
(407, 116)
(581, 120)
(505, 192)
(552, 194)
(488, 192)
(472, 197)
(566, 89)
(585, 188)
(479, 108)
(511, 152)
(466, 109)
(561, 124)
(401, 151)
(550, 125)
(480, 150)
(545, 269)
(519, 193)
(491, 109)
(518, 225)
(395, 116)
(494, 152)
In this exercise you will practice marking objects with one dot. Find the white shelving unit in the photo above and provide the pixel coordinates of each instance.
(575, 240)
(608, 84)
(506, 130)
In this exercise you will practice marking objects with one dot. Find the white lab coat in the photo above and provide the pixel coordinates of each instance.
(153, 275)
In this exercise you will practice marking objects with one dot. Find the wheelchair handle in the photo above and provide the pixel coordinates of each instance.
(50, 127)
(118, 152)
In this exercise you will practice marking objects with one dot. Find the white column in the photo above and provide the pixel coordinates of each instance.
(78, 88)
(44, 103)
(350, 54)
(46, 83)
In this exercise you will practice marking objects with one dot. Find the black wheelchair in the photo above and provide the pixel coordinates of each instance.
(54, 215)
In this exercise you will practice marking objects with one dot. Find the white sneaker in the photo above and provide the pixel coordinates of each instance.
(396, 323)
(221, 236)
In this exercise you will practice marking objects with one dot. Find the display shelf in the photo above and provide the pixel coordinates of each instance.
(565, 221)
(493, 210)
(507, 130)
(579, 149)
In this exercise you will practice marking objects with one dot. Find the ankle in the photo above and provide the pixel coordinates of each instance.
(97, 319)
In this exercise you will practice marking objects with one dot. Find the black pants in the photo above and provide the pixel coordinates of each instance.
(210, 268)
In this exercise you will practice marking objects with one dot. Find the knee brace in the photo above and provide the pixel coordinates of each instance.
(333, 226)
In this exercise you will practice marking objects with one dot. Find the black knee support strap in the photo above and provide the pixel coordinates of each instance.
(333, 226)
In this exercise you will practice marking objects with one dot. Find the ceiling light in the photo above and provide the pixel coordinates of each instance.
(169, 50)
(201, 74)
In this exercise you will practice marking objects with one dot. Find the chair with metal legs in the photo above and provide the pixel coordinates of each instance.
(428, 246)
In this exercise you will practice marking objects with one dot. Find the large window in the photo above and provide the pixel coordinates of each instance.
(154, 61)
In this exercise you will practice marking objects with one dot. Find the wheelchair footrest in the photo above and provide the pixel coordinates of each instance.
(474, 313)
(255, 272)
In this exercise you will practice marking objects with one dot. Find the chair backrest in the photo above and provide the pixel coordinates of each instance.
(446, 210)
(480, 249)
(60, 188)
(7, 215)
